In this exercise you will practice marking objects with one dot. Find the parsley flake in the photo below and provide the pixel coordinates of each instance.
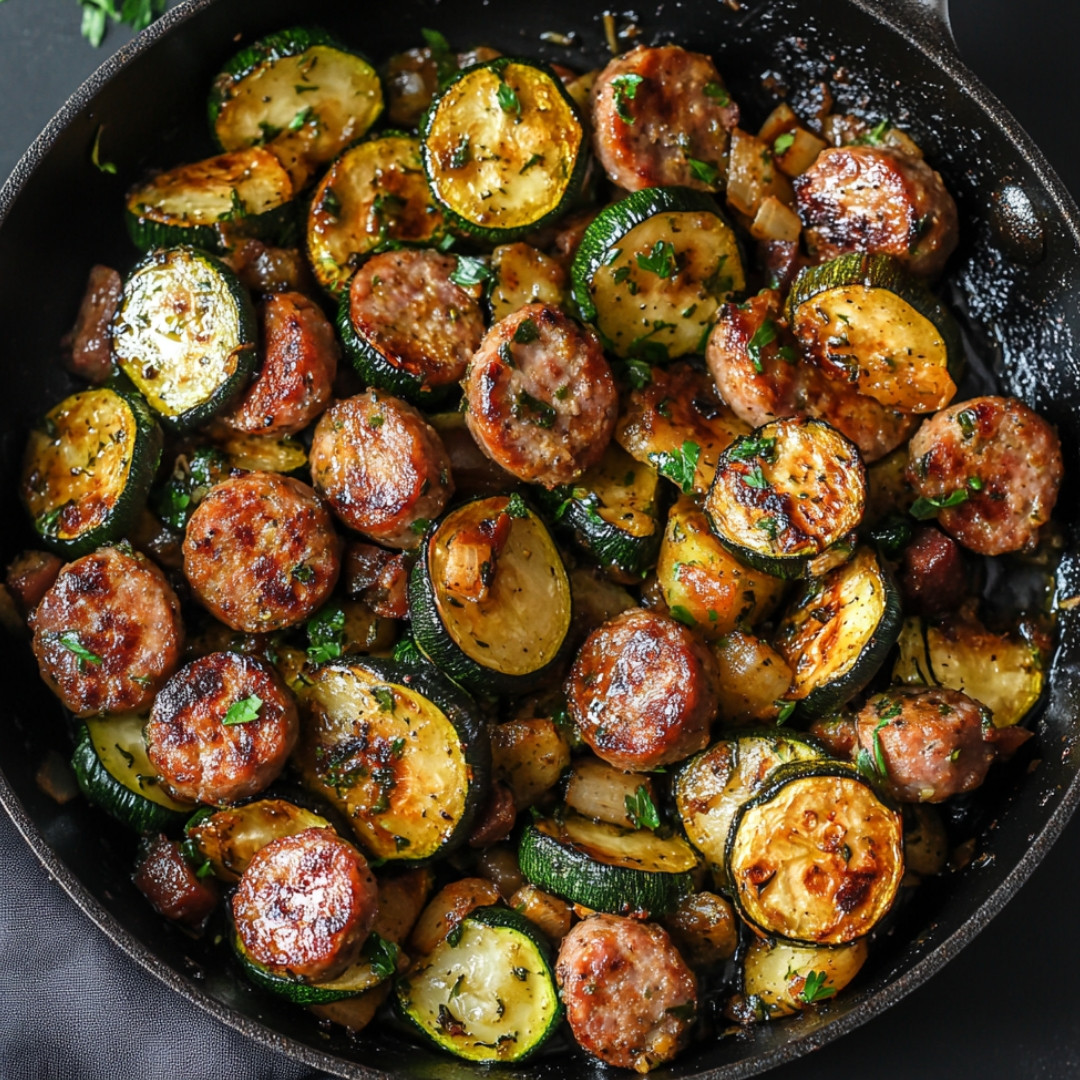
(470, 270)
(679, 465)
(382, 955)
(244, 711)
(508, 100)
(641, 810)
(70, 640)
(326, 634)
(516, 507)
(814, 988)
(624, 89)
(764, 335)
(926, 507)
(705, 171)
(783, 143)
(660, 261)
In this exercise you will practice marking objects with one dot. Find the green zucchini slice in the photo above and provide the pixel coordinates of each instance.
(607, 868)
(865, 319)
(507, 636)
(114, 773)
(817, 857)
(838, 632)
(504, 148)
(712, 786)
(653, 269)
(613, 512)
(785, 493)
(486, 992)
(193, 475)
(374, 195)
(246, 193)
(399, 750)
(185, 335)
(88, 469)
(786, 978)
(298, 91)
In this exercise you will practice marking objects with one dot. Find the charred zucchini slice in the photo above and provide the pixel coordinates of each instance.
(299, 92)
(246, 193)
(373, 196)
(838, 632)
(785, 978)
(786, 493)
(865, 319)
(608, 868)
(185, 335)
(486, 992)
(653, 269)
(399, 750)
(505, 634)
(504, 148)
(88, 469)
(114, 773)
(817, 857)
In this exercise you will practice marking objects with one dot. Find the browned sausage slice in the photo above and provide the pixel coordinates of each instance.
(305, 905)
(996, 468)
(107, 634)
(300, 358)
(382, 467)
(541, 397)
(167, 880)
(261, 553)
(655, 110)
(932, 576)
(629, 996)
(88, 347)
(31, 575)
(643, 691)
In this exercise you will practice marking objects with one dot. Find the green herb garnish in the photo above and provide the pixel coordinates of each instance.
(625, 88)
(244, 711)
(679, 465)
(641, 810)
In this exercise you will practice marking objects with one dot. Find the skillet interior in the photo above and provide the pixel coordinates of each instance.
(69, 217)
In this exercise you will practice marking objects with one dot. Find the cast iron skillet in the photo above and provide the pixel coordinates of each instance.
(1016, 278)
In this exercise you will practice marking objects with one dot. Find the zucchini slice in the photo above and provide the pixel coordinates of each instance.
(613, 512)
(88, 469)
(838, 632)
(817, 857)
(711, 787)
(298, 91)
(522, 275)
(374, 195)
(607, 868)
(114, 773)
(486, 992)
(399, 750)
(653, 269)
(508, 638)
(1001, 671)
(786, 493)
(863, 318)
(786, 978)
(193, 475)
(504, 148)
(262, 453)
(185, 335)
(246, 193)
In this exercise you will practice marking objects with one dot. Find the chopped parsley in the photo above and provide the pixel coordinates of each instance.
(95, 155)
(470, 270)
(244, 711)
(70, 640)
(326, 634)
(138, 14)
(683, 615)
(783, 143)
(875, 136)
(641, 810)
(382, 955)
(330, 204)
(533, 411)
(786, 709)
(679, 465)
(755, 478)
(660, 261)
(966, 419)
(752, 446)
(516, 507)
(715, 92)
(446, 64)
(926, 507)
(301, 118)
(624, 89)
(508, 100)
(302, 573)
(764, 335)
(385, 697)
(536, 159)
(705, 171)
(814, 988)
(526, 333)
(461, 153)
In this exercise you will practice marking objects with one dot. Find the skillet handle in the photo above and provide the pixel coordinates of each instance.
(927, 20)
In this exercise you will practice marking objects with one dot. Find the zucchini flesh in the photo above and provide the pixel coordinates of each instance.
(246, 193)
(373, 195)
(652, 271)
(606, 867)
(523, 275)
(185, 335)
(1000, 671)
(88, 469)
(864, 319)
(785, 978)
(407, 770)
(816, 858)
(786, 493)
(486, 992)
(262, 453)
(504, 148)
(114, 773)
(838, 632)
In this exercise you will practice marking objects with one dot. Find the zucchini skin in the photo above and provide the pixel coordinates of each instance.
(278, 227)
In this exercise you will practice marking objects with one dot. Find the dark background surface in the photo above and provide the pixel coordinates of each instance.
(73, 1006)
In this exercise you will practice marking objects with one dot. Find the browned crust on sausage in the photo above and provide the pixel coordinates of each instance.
(305, 904)
(643, 691)
(88, 348)
(30, 575)
(261, 553)
(381, 466)
(167, 880)
(264, 269)
(121, 610)
(932, 575)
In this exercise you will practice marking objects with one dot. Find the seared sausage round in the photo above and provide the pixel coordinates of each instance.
(655, 109)
(1001, 459)
(221, 729)
(932, 742)
(261, 553)
(168, 881)
(404, 304)
(300, 358)
(541, 397)
(630, 997)
(381, 466)
(305, 905)
(932, 576)
(643, 691)
(876, 199)
(30, 576)
(108, 633)
(88, 348)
